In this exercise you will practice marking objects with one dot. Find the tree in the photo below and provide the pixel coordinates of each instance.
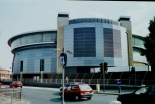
(149, 44)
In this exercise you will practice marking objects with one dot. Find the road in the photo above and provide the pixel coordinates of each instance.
(40, 95)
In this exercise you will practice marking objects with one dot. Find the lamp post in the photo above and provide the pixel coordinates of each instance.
(18, 65)
(128, 55)
(63, 62)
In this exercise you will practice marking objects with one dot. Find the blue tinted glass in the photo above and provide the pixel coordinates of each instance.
(84, 42)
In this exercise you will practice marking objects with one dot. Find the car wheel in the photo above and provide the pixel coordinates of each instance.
(88, 98)
(77, 98)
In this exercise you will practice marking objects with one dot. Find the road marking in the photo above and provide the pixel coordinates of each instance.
(53, 89)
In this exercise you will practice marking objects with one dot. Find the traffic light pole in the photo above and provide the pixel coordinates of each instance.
(135, 77)
(103, 77)
(129, 75)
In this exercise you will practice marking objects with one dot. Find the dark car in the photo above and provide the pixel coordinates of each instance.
(16, 84)
(78, 91)
(143, 95)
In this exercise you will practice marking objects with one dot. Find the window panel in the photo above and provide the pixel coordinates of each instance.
(37, 38)
(30, 39)
(23, 40)
(83, 41)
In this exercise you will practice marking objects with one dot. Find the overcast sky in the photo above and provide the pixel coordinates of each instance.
(20, 16)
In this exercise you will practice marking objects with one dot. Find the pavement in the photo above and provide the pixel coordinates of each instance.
(113, 92)
(7, 100)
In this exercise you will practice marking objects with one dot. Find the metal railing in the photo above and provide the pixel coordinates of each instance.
(12, 93)
(92, 81)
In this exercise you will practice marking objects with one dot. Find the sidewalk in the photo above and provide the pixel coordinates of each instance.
(113, 92)
(7, 100)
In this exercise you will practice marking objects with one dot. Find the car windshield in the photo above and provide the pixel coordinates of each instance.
(84, 87)
(141, 90)
(14, 82)
(18, 82)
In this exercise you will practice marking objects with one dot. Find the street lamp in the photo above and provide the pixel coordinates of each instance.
(63, 62)
(128, 55)
(18, 65)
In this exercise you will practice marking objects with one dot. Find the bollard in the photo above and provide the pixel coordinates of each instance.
(98, 87)
(115, 102)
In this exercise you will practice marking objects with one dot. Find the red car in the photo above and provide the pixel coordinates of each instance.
(0, 84)
(78, 91)
(16, 84)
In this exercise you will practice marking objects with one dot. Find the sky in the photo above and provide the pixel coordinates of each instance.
(22, 16)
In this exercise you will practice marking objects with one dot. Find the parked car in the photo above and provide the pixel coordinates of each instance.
(0, 84)
(70, 83)
(16, 84)
(143, 95)
(78, 91)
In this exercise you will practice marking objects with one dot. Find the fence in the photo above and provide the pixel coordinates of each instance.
(93, 81)
(12, 93)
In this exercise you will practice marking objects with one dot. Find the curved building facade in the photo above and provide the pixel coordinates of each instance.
(137, 43)
(34, 52)
(92, 41)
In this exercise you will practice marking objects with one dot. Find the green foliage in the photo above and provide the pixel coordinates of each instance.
(149, 44)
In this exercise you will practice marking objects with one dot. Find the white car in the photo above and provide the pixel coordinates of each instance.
(70, 83)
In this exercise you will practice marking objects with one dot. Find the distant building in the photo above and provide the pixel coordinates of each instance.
(5, 75)
(92, 41)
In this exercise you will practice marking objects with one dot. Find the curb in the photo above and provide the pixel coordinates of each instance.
(109, 93)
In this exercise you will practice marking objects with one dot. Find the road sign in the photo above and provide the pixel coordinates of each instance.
(118, 82)
(63, 59)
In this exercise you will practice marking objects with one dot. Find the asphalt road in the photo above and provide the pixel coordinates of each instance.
(40, 95)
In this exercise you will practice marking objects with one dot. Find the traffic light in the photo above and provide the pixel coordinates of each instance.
(105, 67)
(101, 67)
(133, 70)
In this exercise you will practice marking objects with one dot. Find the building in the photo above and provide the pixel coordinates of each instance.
(137, 43)
(92, 41)
(5, 75)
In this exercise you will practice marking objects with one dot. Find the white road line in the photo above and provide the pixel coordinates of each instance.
(54, 89)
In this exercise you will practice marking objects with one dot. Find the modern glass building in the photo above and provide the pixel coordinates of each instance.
(137, 43)
(92, 41)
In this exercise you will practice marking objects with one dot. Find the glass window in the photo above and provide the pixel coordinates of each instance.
(15, 43)
(30, 39)
(23, 40)
(85, 87)
(37, 38)
(142, 90)
(83, 41)
(48, 37)
(139, 42)
(74, 87)
(152, 91)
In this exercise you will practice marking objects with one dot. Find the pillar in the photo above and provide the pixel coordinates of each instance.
(21, 76)
(42, 76)
(125, 22)
(62, 20)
